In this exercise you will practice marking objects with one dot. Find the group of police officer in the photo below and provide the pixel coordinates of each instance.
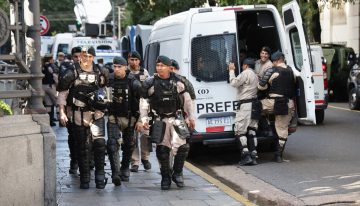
(135, 103)
(263, 87)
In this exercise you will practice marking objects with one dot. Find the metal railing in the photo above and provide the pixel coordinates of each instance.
(11, 74)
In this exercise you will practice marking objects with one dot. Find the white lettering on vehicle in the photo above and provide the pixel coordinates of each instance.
(211, 107)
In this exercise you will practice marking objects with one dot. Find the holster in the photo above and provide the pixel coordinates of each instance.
(181, 127)
(256, 110)
(157, 131)
(281, 106)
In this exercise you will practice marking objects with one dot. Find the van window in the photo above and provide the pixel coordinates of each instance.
(296, 48)
(103, 47)
(63, 48)
(152, 54)
(210, 56)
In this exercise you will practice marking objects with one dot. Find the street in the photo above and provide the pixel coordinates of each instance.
(321, 162)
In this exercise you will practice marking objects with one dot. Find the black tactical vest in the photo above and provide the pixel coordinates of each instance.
(284, 83)
(48, 78)
(120, 94)
(165, 99)
(86, 83)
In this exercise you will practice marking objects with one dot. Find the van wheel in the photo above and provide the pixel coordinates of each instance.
(320, 115)
(354, 101)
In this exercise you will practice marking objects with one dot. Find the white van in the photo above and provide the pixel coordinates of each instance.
(214, 37)
(46, 45)
(64, 42)
(320, 82)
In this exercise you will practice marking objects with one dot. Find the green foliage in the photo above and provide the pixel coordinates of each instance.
(4, 5)
(149, 11)
(5, 108)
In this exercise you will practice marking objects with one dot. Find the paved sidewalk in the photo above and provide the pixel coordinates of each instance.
(142, 190)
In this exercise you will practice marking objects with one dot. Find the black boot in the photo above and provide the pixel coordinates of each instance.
(178, 166)
(73, 147)
(278, 153)
(99, 156)
(253, 155)
(83, 134)
(127, 147)
(113, 152)
(163, 155)
(252, 144)
(245, 158)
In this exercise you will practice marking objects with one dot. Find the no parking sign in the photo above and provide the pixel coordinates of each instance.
(44, 25)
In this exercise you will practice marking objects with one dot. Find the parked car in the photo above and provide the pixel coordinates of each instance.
(337, 57)
(353, 84)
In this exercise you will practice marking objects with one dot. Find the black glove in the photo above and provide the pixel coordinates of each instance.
(98, 105)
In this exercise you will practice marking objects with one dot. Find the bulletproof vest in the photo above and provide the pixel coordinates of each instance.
(86, 83)
(284, 83)
(120, 96)
(165, 98)
(140, 76)
(48, 78)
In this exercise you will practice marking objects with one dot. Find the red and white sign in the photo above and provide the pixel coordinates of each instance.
(44, 25)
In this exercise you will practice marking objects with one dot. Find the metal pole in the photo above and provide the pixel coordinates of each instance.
(35, 104)
(119, 22)
(113, 18)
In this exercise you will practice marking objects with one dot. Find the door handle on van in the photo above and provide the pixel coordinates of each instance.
(312, 79)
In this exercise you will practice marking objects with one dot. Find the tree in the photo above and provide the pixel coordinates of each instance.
(149, 11)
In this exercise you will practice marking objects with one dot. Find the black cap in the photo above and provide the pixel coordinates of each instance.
(75, 50)
(267, 49)
(164, 59)
(249, 61)
(277, 55)
(119, 60)
(89, 50)
(134, 54)
(175, 64)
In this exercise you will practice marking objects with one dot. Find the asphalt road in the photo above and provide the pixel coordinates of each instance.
(322, 162)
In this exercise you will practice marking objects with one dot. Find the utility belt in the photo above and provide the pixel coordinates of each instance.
(243, 101)
(256, 107)
(280, 105)
(157, 130)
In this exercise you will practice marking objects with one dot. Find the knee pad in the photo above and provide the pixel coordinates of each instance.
(183, 149)
(100, 144)
(98, 128)
(113, 131)
(112, 145)
(162, 152)
(129, 137)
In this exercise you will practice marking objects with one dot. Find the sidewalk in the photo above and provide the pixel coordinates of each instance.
(143, 189)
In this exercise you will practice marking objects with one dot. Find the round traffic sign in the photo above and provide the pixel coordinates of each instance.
(44, 25)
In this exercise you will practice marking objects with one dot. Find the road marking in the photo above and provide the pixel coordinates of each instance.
(334, 107)
(232, 193)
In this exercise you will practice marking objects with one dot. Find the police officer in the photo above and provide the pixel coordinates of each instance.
(168, 129)
(281, 82)
(72, 140)
(264, 63)
(140, 73)
(123, 114)
(83, 81)
(49, 86)
(248, 112)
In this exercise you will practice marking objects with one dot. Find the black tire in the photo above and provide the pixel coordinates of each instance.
(354, 100)
(320, 116)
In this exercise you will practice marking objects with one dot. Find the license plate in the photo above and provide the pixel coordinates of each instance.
(218, 121)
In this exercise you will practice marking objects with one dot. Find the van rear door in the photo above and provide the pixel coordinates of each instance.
(299, 49)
